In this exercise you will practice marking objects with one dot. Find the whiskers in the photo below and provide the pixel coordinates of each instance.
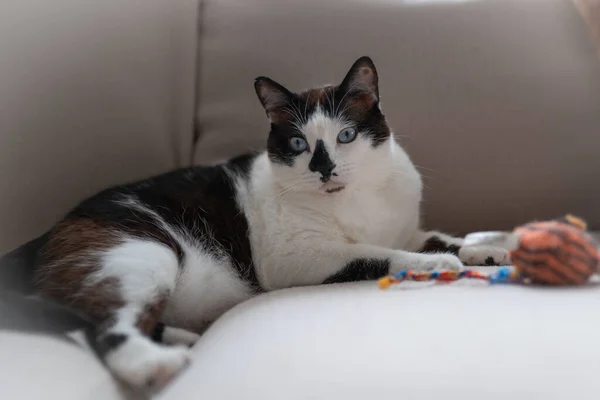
(290, 189)
(306, 105)
(292, 109)
(350, 89)
(429, 177)
(421, 167)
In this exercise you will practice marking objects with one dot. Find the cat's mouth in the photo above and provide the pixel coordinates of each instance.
(333, 187)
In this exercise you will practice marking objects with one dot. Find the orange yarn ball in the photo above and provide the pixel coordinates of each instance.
(557, 252)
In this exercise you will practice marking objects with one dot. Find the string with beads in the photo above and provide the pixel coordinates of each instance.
(501, 275)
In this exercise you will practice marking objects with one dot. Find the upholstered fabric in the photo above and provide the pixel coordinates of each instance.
(498, 102)
(464, 340)
(92, 93)
(44, 367)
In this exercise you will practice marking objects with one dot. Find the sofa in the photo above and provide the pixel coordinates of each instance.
(496, 101)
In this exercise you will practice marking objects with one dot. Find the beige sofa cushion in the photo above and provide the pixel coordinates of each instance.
(92, 93)
(43, 367)
(497, 101)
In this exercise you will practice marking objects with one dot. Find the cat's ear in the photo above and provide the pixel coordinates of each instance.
(273, 97)
(362, 78)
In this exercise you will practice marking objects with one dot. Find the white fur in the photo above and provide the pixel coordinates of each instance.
(145, 270)
(142, 363)
(207, 287)
(139, 361)
(301, 234)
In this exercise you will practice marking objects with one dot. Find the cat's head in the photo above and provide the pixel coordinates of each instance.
(328, 138)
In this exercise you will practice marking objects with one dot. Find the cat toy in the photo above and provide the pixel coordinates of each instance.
(555, 252)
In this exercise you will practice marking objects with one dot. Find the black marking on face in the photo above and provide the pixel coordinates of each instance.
(355, 100)
(321, 162)
(361, 269)
(436, 245)
(109, 342)
(278, 143)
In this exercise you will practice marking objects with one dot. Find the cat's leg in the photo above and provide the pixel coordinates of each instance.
(146, 272)
(311, 262)
(125, 288)
(437, 242)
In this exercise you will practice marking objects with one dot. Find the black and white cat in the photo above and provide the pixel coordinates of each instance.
(333, 199)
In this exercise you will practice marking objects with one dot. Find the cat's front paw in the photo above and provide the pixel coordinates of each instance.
(177, 336)
(146, 365)
(483, 255)
(430, 262)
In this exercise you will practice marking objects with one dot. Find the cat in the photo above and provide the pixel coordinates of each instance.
(333, 199)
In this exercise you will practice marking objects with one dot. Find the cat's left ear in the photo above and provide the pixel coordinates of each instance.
(273, 97)
(362, 79)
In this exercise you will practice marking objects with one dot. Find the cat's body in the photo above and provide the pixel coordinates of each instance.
(333, 199)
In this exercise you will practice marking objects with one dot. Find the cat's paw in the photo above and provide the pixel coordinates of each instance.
(178, 336)
(483, 255)
(143, 364)
(430, 262)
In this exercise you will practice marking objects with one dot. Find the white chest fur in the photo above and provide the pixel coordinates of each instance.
(379, 210)
(379, 216)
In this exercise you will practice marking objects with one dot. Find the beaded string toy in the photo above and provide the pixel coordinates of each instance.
(557, 252)
(504, 274)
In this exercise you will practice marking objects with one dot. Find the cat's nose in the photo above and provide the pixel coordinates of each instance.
(321, 162)
(326, 172)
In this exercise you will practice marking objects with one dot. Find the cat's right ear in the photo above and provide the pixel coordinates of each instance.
(273, 97)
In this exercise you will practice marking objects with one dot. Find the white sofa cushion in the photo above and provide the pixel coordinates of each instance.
(463, 340)
(44, 367)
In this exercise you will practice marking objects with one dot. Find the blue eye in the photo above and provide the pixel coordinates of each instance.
(347, 135)
(298, 144)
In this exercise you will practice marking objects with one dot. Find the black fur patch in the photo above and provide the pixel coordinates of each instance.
(362, 269)
(157, 332)
(109, 342)
(278, 143)
(200, 201)
(436, 245)
(320, 162)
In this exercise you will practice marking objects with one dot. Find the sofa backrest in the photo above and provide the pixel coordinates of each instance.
(498, 102)
(92, 93)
